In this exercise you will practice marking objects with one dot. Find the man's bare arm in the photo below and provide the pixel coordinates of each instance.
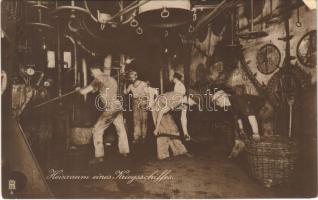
(184, 123)
(254, 124)
(127, 90)
(161, 112)
(158, 121)
(86, 90)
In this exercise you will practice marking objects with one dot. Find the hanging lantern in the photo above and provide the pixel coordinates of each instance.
(71, 8)
(165, 13)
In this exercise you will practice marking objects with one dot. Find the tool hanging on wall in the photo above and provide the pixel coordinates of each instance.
(298, 23)
(271, 17)
(252, 34)
(291, 101)
(234, 43)
(261, 89)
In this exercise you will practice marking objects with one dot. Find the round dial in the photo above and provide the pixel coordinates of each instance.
(306, 49)
(268, 59)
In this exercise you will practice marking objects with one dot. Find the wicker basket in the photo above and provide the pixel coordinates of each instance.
(272, 160)
(81, 136)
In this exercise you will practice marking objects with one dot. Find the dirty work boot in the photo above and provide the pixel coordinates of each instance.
(167, 159)
(96, 160)
(238, 147)
(188, 155)
(135, 141)
(125, 155)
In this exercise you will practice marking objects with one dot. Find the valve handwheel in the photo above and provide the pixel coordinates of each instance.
(306, 49)
(268, 59)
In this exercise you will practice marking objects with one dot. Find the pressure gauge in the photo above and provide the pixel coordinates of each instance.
(30, 71)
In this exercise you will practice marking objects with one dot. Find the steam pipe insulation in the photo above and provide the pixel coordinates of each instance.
(75, 65)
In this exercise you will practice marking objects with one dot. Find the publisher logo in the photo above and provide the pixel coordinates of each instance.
(11, 186)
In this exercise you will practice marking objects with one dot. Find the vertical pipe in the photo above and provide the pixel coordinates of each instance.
(271, 7)
(75, 66)
(84, 67)
(161, 80)
(252, 15)
(232, 26)
(40, 15)
(122, 70)
(121, 7)
(186, 64)
(59, 61)
(290, 119)
(118, 82)
(286, 23)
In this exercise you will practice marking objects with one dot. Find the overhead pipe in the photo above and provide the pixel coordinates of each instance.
(75, 65)
(272, 15)
(222, 6)
(60, 61)
(122, 10)
(134, 5)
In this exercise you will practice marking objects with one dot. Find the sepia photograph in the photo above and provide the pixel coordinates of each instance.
(158, 99)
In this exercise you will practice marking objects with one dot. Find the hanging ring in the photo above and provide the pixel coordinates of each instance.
(164, 13)
(195, 16)
(166, 34)
(139, 31)
(298, 23)
(102, 26)
(71, 26)
(134, 23)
